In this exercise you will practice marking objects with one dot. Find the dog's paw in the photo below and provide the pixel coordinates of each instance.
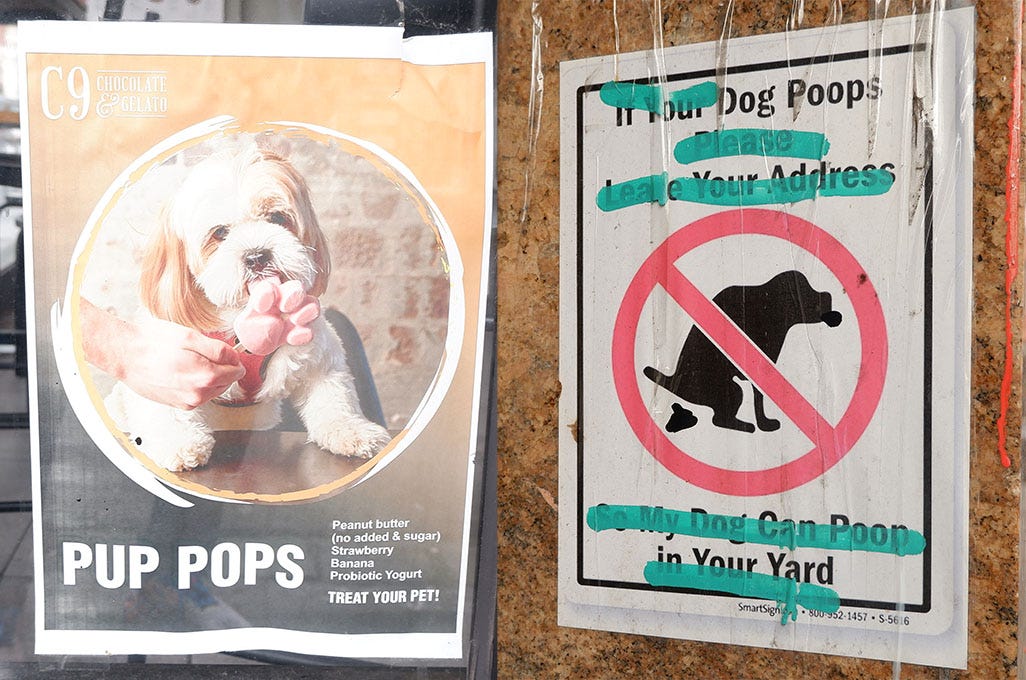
(732, 423)
(353, 437)
(184, 454)
(276, 314)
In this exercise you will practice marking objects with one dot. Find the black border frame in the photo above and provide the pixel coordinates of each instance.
(926, 603)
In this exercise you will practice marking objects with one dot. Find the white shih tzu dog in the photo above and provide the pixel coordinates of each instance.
(239, 219)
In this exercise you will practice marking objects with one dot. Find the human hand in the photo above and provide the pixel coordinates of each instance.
(176, 365)
(277, 313)
(159, 360)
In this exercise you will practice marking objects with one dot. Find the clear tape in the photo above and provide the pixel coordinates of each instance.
(922, 74)
(534, 102)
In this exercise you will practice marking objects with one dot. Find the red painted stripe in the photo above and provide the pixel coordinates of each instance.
(1011, 230)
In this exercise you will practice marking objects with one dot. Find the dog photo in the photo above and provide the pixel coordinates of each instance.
(266, 260)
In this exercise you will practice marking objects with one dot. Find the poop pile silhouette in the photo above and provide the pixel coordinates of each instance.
(765, 313)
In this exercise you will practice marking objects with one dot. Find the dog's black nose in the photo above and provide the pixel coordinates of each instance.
(257, 260)
(832, 319)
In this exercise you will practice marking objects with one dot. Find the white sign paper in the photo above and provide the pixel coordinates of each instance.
(765, 307)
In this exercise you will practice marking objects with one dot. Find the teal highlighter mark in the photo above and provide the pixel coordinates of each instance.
(632, 96)
(696, 97)
(896, 539)
(737, 192)
(780, 190)
(752, 142)
(722, 192)
(874, 183)
(633, 192)
(650, 97)
(784, 591)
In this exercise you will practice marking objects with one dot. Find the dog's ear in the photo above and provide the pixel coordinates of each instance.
(323, 261)
(309, 229)
(313, 238)
(167, 287)
(272, 145)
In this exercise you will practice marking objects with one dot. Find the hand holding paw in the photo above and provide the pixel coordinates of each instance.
(276, 314)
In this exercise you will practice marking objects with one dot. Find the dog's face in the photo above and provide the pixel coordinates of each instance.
(235, 219)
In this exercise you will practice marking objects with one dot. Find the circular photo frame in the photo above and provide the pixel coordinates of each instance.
(314, 257)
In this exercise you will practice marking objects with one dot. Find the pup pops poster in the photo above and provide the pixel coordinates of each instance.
(258, 260)
(764, 341)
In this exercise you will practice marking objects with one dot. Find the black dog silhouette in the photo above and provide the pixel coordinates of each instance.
(765, 313)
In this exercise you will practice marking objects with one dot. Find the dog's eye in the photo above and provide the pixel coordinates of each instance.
(220, 232)
(278, 217)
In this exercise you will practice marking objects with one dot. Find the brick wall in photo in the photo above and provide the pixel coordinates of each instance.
(387, 275)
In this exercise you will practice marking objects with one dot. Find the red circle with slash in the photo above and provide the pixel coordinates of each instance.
(831, 442)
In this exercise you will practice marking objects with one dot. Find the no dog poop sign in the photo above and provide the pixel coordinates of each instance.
(739, 335)
(764, 337)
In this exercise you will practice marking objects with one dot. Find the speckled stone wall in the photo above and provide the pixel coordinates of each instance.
(530, 643)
